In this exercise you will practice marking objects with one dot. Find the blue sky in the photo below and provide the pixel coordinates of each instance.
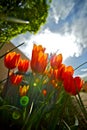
(65, 31)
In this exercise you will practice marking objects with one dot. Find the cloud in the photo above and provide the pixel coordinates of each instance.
(65, 29)
(53, 42)
(21, 38)
(70, 17)
(78, 27)
(61, 9)
(84, 75)
(80, 31)
(84, 70)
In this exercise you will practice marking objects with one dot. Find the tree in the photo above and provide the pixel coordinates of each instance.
(19, 16)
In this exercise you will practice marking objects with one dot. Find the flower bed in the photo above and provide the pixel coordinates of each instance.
(39, 94)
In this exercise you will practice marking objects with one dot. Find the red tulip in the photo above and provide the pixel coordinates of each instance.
(11, 60)
(23, 65)
(15, 79)
(68, 70)
(73, 85)
(39, 59)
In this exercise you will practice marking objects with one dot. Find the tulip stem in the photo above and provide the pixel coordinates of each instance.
(3, 80)
(81, 106)
(28, 116)
(6, 85)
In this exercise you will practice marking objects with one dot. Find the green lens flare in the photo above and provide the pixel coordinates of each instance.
(16, 115)
(24, 100)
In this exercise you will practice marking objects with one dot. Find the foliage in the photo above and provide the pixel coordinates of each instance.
(42, 99)
(19, 16)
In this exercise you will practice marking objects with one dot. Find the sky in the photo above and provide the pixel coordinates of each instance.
(65, 32)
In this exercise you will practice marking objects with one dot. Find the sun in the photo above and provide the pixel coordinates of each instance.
(54, 42)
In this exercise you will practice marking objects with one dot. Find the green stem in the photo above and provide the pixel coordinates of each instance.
(8, 78)
(68, 128)
(6, 85)
(23, 128)
(81, 106)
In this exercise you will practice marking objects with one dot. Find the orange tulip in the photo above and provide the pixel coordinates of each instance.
(39, 59)
(11, 60)
(57, 73)
(73, 85)
(38, 48)
(16, 79)
(23, 90)
(23, 65)
(56, 61)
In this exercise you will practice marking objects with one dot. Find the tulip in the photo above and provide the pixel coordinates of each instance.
(39, 59)
(23, 90)
(11, 60)
(73, 85)
(56, 61)
(57, 73)
(68, 71)
(16, 79)
(23, 65)
(38, 48)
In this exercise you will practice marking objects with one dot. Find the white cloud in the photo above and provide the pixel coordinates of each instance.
(61, 9)
(65, 44)
(77, 26)
(84, 70)
(80, 31)
(21, 38)
(83, 75)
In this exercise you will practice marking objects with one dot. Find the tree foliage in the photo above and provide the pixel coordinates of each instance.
(19, 16)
